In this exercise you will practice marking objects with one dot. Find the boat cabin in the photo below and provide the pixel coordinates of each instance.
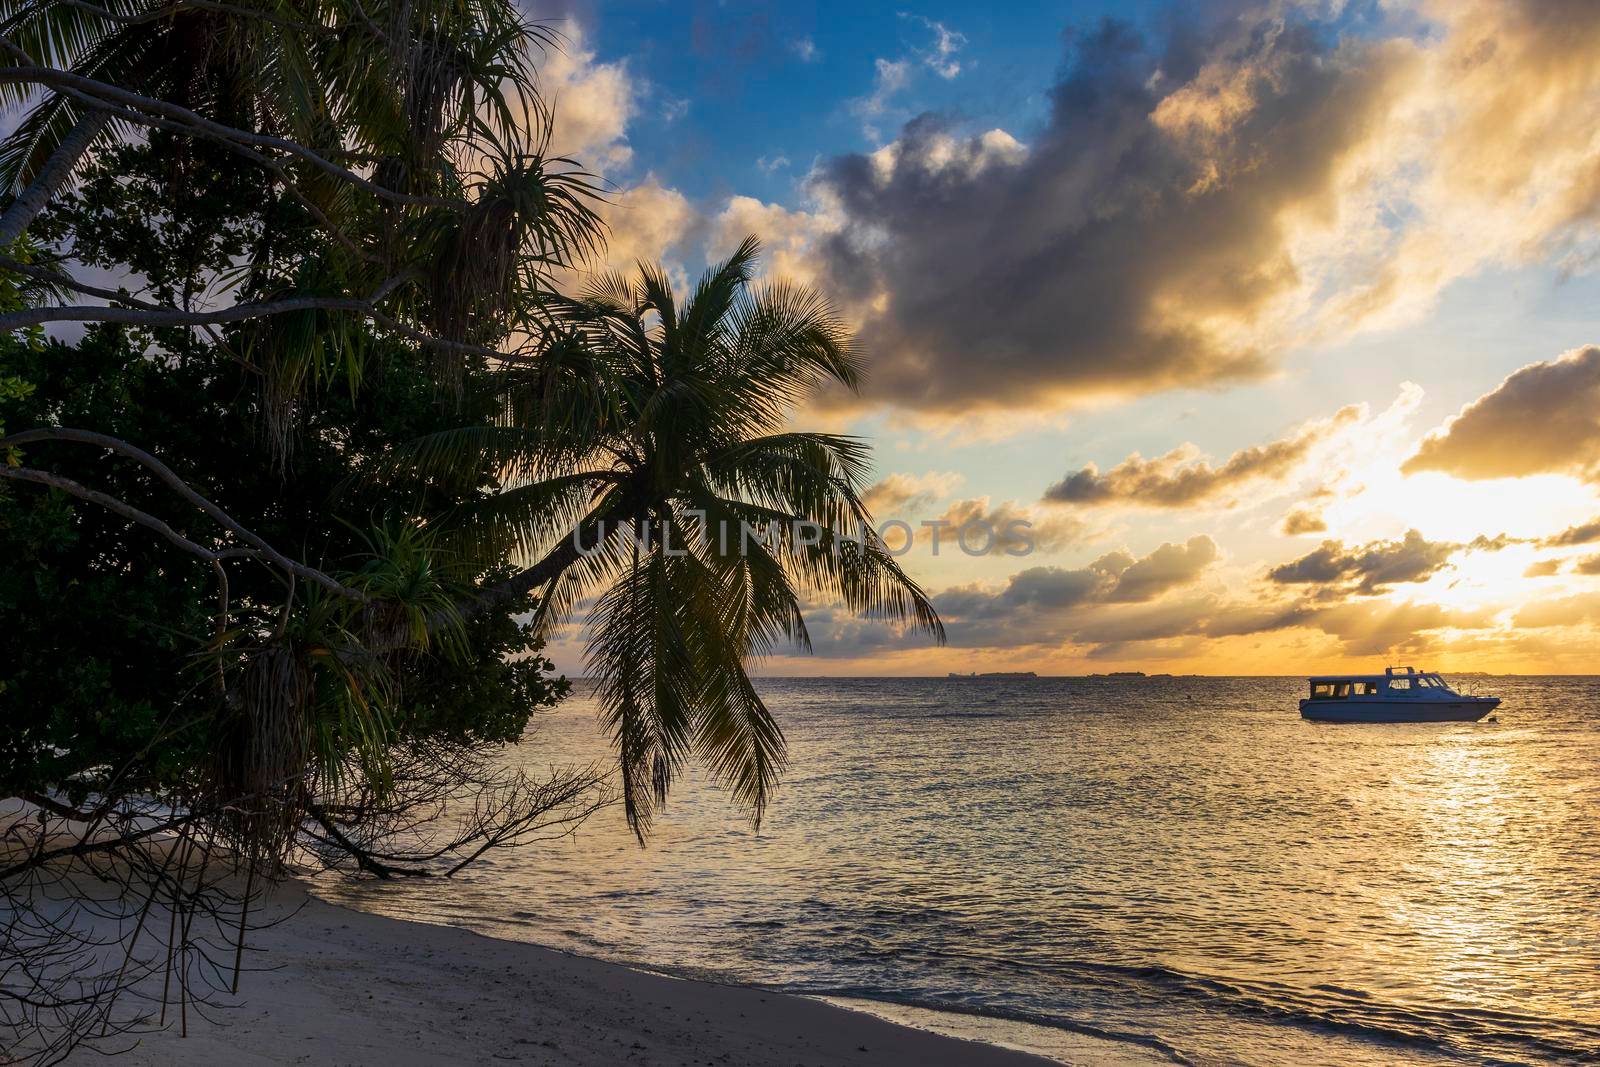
(1394, 682)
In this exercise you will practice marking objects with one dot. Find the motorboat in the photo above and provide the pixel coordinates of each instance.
(1399, 694)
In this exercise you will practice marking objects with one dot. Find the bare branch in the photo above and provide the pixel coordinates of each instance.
(154, 317)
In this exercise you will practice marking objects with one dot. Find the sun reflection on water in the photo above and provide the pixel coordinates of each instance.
(1182, 859)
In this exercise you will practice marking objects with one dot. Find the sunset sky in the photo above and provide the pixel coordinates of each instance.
(1271, 318)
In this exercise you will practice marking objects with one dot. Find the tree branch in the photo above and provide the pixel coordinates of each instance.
(96, 93)
(364, 859)
(67, 281)
(153, 315)
(148, 316)
(259, 545)
(110, 503)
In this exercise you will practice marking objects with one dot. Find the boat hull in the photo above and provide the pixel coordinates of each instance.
(1453, 709)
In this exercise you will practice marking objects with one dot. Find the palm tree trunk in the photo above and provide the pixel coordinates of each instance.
(553, 565)
(21, 212)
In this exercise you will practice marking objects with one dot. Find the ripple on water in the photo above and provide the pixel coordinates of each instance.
(1179, 864)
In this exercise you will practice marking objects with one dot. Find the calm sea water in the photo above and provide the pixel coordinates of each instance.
(1182, 864)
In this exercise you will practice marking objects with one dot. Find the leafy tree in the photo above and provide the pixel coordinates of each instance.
(112, 626)
(166, 669)
(276, 521)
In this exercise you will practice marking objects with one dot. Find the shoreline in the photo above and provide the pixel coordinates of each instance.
(334, 985)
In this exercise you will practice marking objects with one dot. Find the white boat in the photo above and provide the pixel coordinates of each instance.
(1399, 694)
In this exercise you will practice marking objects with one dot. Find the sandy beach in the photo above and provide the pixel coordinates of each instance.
(344, 987)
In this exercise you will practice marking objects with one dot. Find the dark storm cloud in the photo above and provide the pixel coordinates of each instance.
(1151, 207)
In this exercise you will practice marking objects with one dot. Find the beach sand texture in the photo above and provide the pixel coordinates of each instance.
(346, 987)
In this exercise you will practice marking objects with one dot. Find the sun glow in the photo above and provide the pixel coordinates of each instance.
(1481, 581)
(1449, 509)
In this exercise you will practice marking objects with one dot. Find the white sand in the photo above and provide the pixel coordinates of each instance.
(353, 988)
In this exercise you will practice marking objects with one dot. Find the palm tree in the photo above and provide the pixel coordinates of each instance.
(648, 474)
(362, 81)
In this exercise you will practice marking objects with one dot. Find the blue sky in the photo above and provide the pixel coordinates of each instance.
(1231, 265)
(764, 81)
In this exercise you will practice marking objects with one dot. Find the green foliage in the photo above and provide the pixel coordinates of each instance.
(110, 644)
(435, 501)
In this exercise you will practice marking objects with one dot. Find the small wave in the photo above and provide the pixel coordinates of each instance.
(1459, 1030)
(1055, 1022)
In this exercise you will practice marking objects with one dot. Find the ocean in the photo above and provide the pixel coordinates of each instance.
(1180, 865)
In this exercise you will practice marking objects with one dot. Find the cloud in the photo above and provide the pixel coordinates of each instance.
(1302, 519)
(1542, 568)
(889, 77)
(593, 103)
(1484, 153)
(1587, 565)
(1584, 534)
(900, 494)
(1005, 529)
(770, 164)
(788, 237)
(941, 58)
(645, 222)
(1182, 478)
(1043, 605)
(1372, 566)
(1196, 206)
(1543, 419)
(1166, 568)
(892, 76)
(1055, 607)
(1366, 627)
(1373, 627)
(1567, 611)
(805, 49)
(1139, 243)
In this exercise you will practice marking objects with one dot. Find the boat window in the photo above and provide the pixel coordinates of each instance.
(1399, 683)
(1321, 690)
(1366, 689)
(1341, 689)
